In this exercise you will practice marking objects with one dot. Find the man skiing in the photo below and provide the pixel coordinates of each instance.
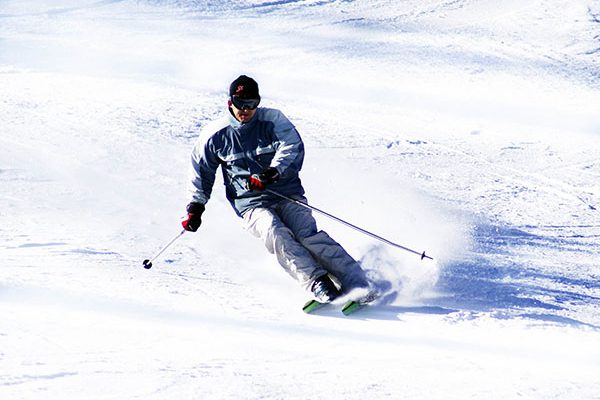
(259, 149)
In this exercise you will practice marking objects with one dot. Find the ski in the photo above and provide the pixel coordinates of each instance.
(312, 305)
(349, 307)
(352, 306)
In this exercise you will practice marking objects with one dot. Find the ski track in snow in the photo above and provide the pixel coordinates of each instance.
(456, 127)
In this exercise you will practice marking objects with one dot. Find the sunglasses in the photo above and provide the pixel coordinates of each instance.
(244, 104)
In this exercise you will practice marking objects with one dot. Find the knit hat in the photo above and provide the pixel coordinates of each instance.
(244, 87)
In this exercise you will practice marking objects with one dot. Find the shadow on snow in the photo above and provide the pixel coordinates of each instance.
(499, 280)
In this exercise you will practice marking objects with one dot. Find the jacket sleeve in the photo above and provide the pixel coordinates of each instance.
(289, 148)
(202, 171)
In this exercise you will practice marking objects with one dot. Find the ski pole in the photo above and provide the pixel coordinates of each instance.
(148, 263)
(423, 255)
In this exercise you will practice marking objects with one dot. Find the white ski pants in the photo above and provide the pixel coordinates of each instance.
(289, 231)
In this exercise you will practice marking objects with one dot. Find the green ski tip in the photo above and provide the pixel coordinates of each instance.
(350, 307)
(311, 305)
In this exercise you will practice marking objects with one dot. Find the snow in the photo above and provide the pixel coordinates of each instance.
(466, 128)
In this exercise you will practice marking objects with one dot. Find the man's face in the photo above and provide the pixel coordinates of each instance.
(242, 114)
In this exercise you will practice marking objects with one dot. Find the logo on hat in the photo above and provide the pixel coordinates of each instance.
(244, 87)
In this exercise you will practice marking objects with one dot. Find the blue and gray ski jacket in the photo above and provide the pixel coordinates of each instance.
(268, 140)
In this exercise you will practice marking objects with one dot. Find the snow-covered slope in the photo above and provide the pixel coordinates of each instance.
(469, 129)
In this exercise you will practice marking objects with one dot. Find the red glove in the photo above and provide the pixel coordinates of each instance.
(260, 181)
(193, 221)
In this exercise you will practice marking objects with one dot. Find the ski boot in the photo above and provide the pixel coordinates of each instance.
(324, 289)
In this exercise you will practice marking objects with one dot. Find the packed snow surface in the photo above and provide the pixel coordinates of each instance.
(467, 128)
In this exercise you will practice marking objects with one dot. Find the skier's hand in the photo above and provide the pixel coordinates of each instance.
(260, 181)
(193, 221)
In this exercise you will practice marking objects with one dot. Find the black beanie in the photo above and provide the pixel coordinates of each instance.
(244, 87)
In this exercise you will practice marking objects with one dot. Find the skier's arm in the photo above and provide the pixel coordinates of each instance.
(202, 173)
(203, 168)
(289, 147)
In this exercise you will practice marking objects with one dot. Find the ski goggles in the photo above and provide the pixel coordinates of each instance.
(244, 104)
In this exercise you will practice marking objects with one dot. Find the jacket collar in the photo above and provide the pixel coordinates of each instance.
(234, 123)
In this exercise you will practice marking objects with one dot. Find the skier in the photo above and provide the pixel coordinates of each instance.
(258, 149)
